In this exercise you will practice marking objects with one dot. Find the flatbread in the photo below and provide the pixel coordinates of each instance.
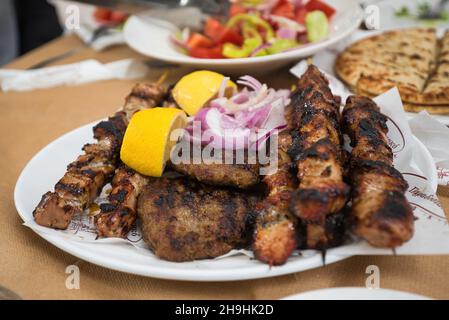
(409, 107)
(441, 110)
(413, 60)
(437, 88)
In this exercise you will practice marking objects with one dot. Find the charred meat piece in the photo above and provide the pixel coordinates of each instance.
(322, 237)
(118, 216)
(183, 220)
(86, 176)
(317, 150)
(274, 237)
(380, 212)
(241, 176)
(240, 171)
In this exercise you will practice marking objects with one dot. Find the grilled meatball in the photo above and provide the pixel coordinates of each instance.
(183, 220)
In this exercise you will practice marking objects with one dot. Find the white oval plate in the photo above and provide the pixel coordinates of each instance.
(355, 293)
(153, 40)
(49, 164)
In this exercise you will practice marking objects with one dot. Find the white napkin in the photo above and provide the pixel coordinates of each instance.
(113, 38)
(70, 74)
(87, 25)
(435, 136)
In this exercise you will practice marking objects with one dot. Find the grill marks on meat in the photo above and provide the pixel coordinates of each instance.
(380, 212)
(317, 150)
(226, 173)
(86, 176)
(183, 220)
(274, 237)
(118, 216)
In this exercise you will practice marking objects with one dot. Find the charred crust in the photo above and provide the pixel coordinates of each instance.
(395, 207)
(118, 196)
(107, 207)
(360, 166)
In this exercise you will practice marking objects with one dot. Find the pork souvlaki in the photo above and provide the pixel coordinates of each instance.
(317, 150)
(86, 176)
(380, 212)
(275, 236)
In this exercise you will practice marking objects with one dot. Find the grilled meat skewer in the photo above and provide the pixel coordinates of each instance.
(317, 150)
(380, 212)
(86, 176)
(119, 214)
(274, 237)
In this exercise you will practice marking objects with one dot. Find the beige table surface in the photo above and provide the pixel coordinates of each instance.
(35, 269)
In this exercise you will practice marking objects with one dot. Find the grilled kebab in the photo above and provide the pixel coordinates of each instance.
(118, 215)
(380, 212)
(274, 237)
(86, 176)
(318, 153)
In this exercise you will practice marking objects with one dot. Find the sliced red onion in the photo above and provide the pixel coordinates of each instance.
(275, 117)
(253, 82)
(255, 118)
(260, 142)
(285, 93)
(241, 97)
(225, 130)
(229, 122)
(224, 84)
(286, 23)
(201, 115)
(285, 33)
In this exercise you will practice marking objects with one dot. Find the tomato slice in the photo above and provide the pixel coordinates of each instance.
(301, 15)
(213, 29)
(118, 16)
(319, 5)
(102, 15)
(197, 40)
(236, 9)
(207, 53)
(221, 34)
(229, 35)
(285, 9)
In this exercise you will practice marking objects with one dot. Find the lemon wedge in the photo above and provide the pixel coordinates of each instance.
(195, 89)
(147, 143)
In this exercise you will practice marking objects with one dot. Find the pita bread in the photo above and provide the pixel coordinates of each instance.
(437, 88)
(441, 110)
(413, 60)
(409, 107)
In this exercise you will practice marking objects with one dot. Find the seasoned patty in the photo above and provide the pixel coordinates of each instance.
(242, 176)
(184, 220)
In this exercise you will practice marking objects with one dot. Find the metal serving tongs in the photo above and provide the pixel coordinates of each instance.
(213, 7)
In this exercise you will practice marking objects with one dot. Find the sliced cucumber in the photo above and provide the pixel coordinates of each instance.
(317, 26)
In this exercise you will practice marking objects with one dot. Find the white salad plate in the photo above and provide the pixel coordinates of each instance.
(152, 39)
(49, 164)
(355, 293)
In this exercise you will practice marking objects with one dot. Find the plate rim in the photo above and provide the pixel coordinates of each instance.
(335, 290)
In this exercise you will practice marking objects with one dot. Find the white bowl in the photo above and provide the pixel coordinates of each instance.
(153, 40)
